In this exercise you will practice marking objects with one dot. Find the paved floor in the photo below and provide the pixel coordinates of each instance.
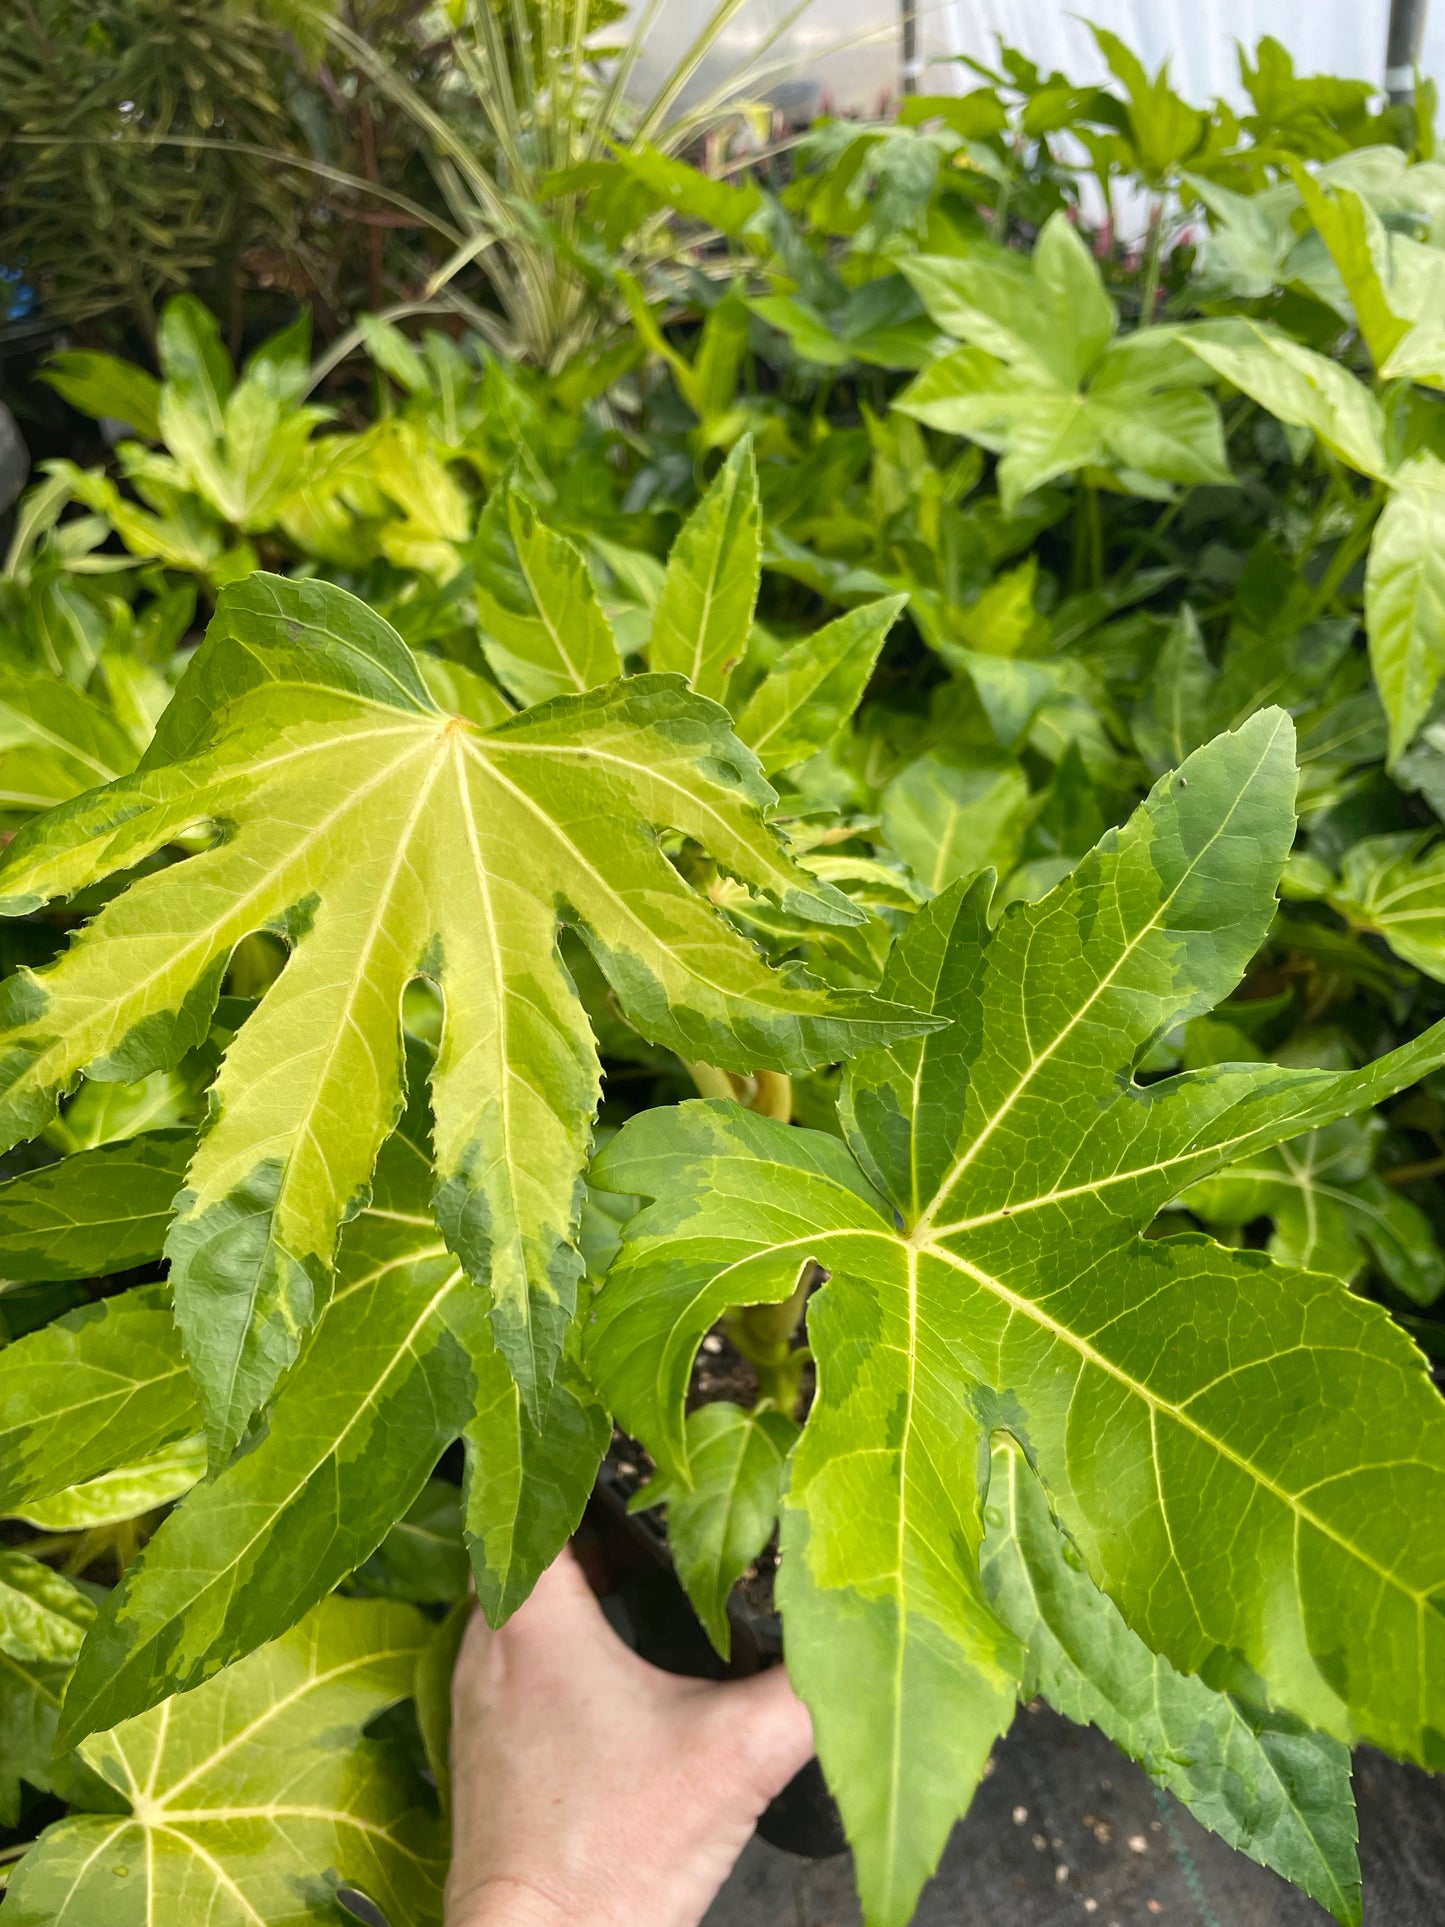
(1098, 1847)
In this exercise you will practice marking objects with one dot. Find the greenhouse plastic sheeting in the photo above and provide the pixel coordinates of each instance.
(849, 50)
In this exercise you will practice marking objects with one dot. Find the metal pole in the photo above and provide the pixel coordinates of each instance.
(910, 46)
(1402, 49)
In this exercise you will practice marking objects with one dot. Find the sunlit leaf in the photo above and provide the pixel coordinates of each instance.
(982, 1228)
(248, 1799)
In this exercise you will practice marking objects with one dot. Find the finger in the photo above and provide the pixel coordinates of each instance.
(561, 1611)
(473, 1651)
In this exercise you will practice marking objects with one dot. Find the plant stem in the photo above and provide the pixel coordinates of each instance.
(764, 1335)
(1346, 555)
(769, 1093)
(1153, 264)
(1409, 1173)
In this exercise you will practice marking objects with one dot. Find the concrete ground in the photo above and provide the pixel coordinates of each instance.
(1065, 1832)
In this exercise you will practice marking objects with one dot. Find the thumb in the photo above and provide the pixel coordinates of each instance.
(773, 1725)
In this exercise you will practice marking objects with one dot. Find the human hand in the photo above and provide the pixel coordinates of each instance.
(589, 1786)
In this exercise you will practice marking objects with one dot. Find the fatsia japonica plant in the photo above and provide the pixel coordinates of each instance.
(573, 790)
(1021, 1397)
(306, 786)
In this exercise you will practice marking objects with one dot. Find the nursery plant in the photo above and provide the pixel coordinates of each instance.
(928, 764)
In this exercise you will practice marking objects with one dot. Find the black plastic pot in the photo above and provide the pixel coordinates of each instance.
(651, 1611)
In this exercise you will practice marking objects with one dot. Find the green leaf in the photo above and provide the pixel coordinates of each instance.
(101, 1387)
(1359, 247)
(731, 208)
(1405, 598)
(717, 1526)
(42, 1616)
(983, 1231)
(951, 814)
(55, 742)
(384, 838)
(31, 1688)
(704, 611)
(1332, 1211)
(815, 685)
(1395, 887)
(125, 1493)
(1163, 129)
(98, 1212)
(463, 692)
(250, 1797)
(1043, 381)
(1172, 717)
(242, 445)
(543, 630)
(384, 1386)
(1264, 1783)
(102, 385)
(1243, 251)
(527, 1482)
(1048, 317)
(433, 1688)
(423, 1558)
(1298, 386)
(194, 361)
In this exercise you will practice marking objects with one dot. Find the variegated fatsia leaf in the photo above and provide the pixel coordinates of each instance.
(257, 1796)
(1249, 1459)
(387, 839)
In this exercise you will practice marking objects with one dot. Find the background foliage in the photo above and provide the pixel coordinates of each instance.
(1036, 438)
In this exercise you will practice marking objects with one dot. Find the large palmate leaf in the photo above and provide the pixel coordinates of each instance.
(1265, 1783)
(1043, 380)
(402, 1362)
(387, 839)
(254, 1797)
(1250, 1460)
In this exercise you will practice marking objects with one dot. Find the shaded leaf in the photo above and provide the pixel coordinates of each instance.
(125, 1493)
(1405, 598)
(1332, 1210)
(385, 1384)
(55, 742)
(950, 815)
(1300, 387)
(101, 1387)
(103, 385)
(719, 1525)
(42, 1616)
(97, 1212)
(543, 630)
(527, 1483)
